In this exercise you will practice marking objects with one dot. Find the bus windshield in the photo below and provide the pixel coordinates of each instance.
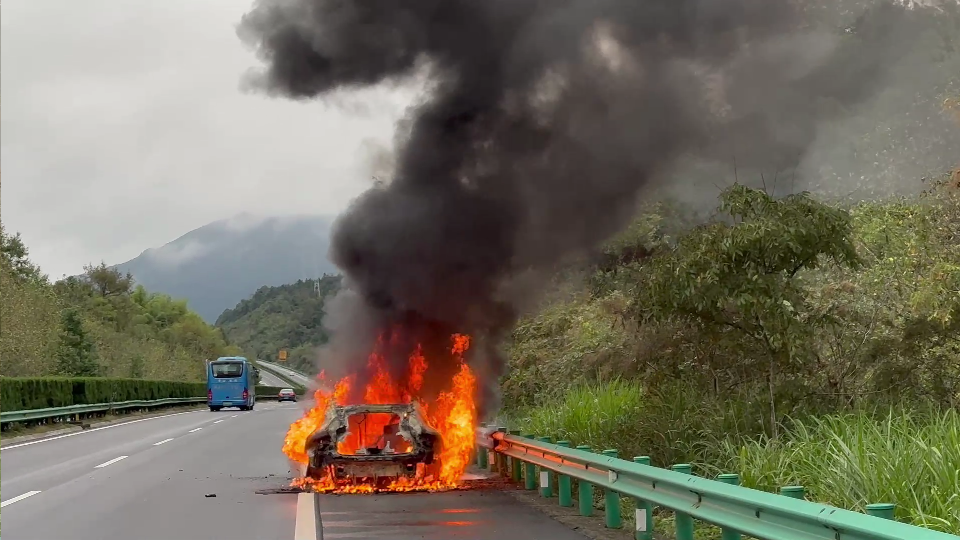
(227, 370)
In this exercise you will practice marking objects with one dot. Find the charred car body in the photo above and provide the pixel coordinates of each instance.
(355, 443)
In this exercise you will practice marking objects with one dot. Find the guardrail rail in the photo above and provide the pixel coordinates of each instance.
(74, 411)
(540, 463)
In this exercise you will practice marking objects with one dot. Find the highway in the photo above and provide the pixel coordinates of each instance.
(196, 475)
(287, 372)
(269, 379)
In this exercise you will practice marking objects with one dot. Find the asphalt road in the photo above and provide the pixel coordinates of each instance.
(270, 379)
(289, 373)
(149, 479)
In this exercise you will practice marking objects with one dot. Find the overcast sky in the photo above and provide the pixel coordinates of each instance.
(123, 127)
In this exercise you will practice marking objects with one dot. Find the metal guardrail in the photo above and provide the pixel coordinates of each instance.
(71, 410)
(58, 412)
(737, 510)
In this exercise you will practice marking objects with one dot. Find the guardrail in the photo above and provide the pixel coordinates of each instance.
(72, 410)
(736, 510)
(30, 415)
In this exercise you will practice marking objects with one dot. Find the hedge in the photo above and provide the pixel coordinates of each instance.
(22, 393)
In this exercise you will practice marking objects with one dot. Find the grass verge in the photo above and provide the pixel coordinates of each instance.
(908, 458)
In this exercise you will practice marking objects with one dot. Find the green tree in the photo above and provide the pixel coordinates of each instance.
(108, 281)
(77, 354)
(15, 254)
(740, 279)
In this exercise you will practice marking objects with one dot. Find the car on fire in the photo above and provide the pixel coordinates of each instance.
(373, 444)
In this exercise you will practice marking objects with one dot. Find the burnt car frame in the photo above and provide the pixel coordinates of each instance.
(372, 464)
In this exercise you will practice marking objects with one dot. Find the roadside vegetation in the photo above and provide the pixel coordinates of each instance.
(285, 317)
(788, 340)
(100, 323)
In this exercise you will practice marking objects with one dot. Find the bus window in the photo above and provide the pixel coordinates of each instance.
(227, 370)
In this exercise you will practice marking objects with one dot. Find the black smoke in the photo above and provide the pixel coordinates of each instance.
(545, 120)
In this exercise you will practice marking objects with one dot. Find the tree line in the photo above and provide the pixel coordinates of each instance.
(100, 323)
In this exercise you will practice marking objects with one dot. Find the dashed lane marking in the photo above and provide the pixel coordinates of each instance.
(162, 442)
(111, 462)
(195, 430)
(18, 498)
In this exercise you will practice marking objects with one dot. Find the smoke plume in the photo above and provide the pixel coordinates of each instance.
(544, 121)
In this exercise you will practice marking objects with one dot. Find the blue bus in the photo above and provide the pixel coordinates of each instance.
(232, 382)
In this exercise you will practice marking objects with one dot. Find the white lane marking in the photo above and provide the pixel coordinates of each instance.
(12, 446)
(306, 527)
(218, 421)
(234, 416)
(161, 442)
(18, 498)
(195, 430)
(111, 462)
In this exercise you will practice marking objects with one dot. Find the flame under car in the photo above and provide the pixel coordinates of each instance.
(373, 444)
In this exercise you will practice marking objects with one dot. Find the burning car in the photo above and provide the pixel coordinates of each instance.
(373, 444)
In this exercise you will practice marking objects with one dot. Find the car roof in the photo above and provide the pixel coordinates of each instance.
(286, 389)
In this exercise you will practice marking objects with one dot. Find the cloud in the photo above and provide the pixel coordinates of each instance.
(173, 255)
(124, 127)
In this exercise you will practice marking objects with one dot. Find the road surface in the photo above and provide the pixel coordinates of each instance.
(287, 372)
(270, 379)
(196, 475)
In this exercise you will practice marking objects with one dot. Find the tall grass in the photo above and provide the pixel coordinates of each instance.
(848, 461)
(911, 459)
(601, 415)
(669, 424)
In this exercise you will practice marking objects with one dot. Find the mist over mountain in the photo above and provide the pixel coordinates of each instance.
(216, 266)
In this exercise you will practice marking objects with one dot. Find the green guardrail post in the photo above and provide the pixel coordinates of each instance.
(644, 513)
(881, 510)
(611, 500)
(546, 477)
(564, 485)
(529, 471)
(683, 522)
(515, 472)
(734, 480)
(585, 491)
(794, 492)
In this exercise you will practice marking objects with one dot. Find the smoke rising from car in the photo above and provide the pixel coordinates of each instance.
(542, 123)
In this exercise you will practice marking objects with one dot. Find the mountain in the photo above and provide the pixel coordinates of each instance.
(216, 266)
(285, 317)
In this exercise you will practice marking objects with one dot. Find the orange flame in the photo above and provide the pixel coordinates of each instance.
(453, 414)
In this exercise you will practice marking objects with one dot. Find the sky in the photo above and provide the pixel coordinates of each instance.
(124, 126)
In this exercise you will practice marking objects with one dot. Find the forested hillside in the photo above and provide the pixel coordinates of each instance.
(221, 263)
(285, 317)
(98, 324)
